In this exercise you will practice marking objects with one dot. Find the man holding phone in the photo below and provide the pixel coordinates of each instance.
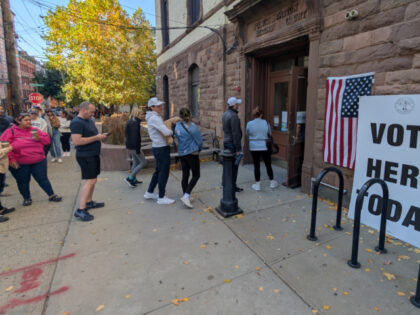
(88, 147)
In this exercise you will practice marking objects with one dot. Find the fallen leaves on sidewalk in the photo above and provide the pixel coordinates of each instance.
(100, 307)
(345, 293)
(371, 232)
(208, 209)
(270, 237)
(400, 293)
(369, 250)
(261, 289)
(328, 246)
(326, 307)
(258, 268)
(239, 216)
(203, 246)
(276, 291)
(154, 230)
(376, 308)
(389, 276)
(227, 281)
(177, 301)
(367, 269)
(403, 257)
(9, 288)
(128, 296)
(236, 267)
(66, 313)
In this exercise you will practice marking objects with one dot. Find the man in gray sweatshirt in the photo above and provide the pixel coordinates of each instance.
(233, 133)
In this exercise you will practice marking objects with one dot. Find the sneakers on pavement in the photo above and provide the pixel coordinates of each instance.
(148, 195)
(165, 201)
(94, 205)
(60, 160)
(27, 202)
(53, 160)
(273, 184)
(3, 218)
(83, 215)
(55, 198)
(256, 186)
(186, 202)
(238, 189)
(137, 181)
(130, 182)
(5, 210)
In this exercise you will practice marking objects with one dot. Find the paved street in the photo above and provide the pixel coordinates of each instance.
(137, 257)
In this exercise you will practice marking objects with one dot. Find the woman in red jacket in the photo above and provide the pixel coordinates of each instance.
(27, 157)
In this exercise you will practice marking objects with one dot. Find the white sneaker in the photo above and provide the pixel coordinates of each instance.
(273, 184)
(186, 202)
(68, 153)
(165, 201)
(256, 186)
(148, 195)
(53, 160)
(60, 160)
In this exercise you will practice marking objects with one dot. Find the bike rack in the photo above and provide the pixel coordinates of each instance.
(317, 182)
(356, 229)
(415, 299)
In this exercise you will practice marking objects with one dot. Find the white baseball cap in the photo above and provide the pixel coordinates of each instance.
(154, 101)
(233, 101)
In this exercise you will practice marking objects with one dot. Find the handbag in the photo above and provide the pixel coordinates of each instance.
(272, 147)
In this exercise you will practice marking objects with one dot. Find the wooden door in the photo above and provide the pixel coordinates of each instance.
(286, 114)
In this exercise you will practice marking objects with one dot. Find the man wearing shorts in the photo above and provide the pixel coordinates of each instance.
(88, 147)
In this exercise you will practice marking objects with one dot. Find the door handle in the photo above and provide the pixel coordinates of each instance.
(292, 140)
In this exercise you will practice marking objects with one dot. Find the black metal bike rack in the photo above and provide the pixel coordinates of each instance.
(415, 299)
(317, 182)
(357, 212)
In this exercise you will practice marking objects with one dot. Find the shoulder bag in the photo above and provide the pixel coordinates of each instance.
(196, 142)
(272, 147)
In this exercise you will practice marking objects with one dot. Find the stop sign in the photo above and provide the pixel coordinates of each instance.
(36, 98)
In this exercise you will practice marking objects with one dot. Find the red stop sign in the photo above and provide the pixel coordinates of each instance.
(36, 98)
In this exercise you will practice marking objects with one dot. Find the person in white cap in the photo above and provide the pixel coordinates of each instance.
(233, 133)
(161, 151)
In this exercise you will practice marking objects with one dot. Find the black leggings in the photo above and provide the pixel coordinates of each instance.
(190, 162)
(256, 157)
(65, 141)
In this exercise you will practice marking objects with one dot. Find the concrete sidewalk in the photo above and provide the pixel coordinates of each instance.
(136, 257)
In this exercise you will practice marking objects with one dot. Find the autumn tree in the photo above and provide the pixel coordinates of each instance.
(108, 55)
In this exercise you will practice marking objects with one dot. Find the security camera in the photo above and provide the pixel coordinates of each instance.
(352, 14)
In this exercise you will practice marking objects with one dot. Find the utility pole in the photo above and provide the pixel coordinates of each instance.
(12, 68)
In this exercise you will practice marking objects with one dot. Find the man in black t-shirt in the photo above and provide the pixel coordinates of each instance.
(88, 147)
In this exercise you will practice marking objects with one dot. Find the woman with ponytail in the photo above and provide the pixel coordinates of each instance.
(189, 146)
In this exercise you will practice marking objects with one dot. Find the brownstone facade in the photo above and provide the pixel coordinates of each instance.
(384, 38)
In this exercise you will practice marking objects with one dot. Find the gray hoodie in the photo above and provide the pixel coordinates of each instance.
(157, 129)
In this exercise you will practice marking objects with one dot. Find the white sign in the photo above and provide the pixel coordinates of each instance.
(300, 117)
(388, 147)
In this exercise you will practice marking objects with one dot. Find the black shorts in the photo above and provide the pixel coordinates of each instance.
(90, 166)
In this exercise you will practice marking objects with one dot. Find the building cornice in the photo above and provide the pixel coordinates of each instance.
(240, 8)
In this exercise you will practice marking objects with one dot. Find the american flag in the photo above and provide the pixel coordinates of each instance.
(341, 112)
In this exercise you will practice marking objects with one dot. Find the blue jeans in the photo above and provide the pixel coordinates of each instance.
(55, 149)
(161, 174)
(23, 178)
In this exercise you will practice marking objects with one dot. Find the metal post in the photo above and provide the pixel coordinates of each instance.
(357, 212)
(317, 182)
(415, 299)
(229, 202)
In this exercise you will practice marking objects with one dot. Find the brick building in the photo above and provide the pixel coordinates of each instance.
(278, 54)
(4, 79)
(27, 66)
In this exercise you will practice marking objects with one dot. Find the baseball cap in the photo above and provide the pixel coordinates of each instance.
(233, 100)
(154, 101)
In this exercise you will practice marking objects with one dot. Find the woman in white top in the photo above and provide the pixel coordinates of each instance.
(161, 151)
(65, 120)
(258, 131)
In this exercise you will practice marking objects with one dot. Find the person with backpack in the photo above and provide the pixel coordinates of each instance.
(190, 144)
(133, 145)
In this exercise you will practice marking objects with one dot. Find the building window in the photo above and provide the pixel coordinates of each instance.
(194, 10)
(165, 22)
(194, 87)
(166, 96)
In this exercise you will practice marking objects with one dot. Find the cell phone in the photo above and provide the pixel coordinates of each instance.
(108, 133)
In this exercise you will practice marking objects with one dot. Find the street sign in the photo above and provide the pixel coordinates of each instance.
(36, 98)
(36, 84)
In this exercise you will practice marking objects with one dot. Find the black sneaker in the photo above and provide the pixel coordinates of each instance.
(55, 198)
(130, 182)
(3, 218)
(5, 210)
(238, 189)
(137, 181)
(93, 205)
(27, 202)
(83, 215)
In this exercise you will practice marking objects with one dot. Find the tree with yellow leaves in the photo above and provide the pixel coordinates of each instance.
(108, 56)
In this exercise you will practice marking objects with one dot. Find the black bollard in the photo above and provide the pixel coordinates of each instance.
(415, 299)
(229, 203)
(319, 178)
(357, 212)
